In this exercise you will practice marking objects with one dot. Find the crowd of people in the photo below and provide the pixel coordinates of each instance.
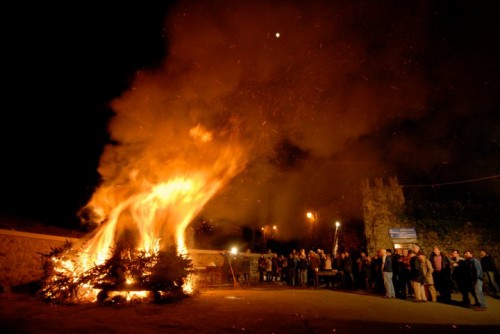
(400, 273)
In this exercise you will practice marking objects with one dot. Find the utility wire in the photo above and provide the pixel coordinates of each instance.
(450, 183)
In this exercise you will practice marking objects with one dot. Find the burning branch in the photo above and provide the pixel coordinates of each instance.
(128, 275)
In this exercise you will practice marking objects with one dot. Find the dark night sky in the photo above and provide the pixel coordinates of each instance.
(65, 63)
(348, 90)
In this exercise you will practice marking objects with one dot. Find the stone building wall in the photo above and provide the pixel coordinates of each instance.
(383, 208)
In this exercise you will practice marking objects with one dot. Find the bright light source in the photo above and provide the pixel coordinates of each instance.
(275, 227)
(277, 35)
(337, 224)
(309, 215)
(234, 250)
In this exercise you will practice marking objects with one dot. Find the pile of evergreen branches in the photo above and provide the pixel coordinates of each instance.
(162, 274)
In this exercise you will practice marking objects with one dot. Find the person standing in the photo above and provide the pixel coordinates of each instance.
(430, 291)
(347, 269)
(367, 273)
(262, 266)
(283, 271)
(293, 260)
(490, 271)
(327, 266)
(303, 266)
(245, 266)
(387, 274)
(337, 265)
(396, 271)
(476, 280)
(406, 289)
(226, 267)
(314, 265)
(360, 280)
(461, 276)
(275, 267)
(269, 268)
(417, 277)
(455, 260)
(441, 274)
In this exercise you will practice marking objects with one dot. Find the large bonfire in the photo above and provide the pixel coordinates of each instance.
(138, 252)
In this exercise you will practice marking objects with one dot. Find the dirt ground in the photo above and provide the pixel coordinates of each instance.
(257, 309)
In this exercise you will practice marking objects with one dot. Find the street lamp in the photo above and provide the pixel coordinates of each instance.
(335, 239)
(234, 250)
(312, 217)
(275, 229)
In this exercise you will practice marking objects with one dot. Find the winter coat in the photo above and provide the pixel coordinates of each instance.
(416, 270)
(428, 270)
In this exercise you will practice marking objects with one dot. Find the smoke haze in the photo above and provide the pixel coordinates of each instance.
(300, 82)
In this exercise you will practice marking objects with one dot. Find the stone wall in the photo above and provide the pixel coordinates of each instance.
(21, 255)
(383, 208)
(21, 260)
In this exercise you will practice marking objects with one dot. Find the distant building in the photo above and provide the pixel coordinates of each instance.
(383, 214)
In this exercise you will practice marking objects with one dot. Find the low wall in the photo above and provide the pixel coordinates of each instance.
(21, 255)
(21, 260)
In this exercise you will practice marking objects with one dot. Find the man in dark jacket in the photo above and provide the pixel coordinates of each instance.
(387, 274)
(461, 275)
(417, 276)
(441, 274)
(476, 280)
(490, 271)
(347, 268)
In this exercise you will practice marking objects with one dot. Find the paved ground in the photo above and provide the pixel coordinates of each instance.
(256, 309)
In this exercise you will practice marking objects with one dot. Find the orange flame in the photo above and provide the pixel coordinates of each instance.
(150, 216)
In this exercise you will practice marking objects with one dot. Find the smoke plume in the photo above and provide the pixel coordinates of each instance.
(296, 85)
